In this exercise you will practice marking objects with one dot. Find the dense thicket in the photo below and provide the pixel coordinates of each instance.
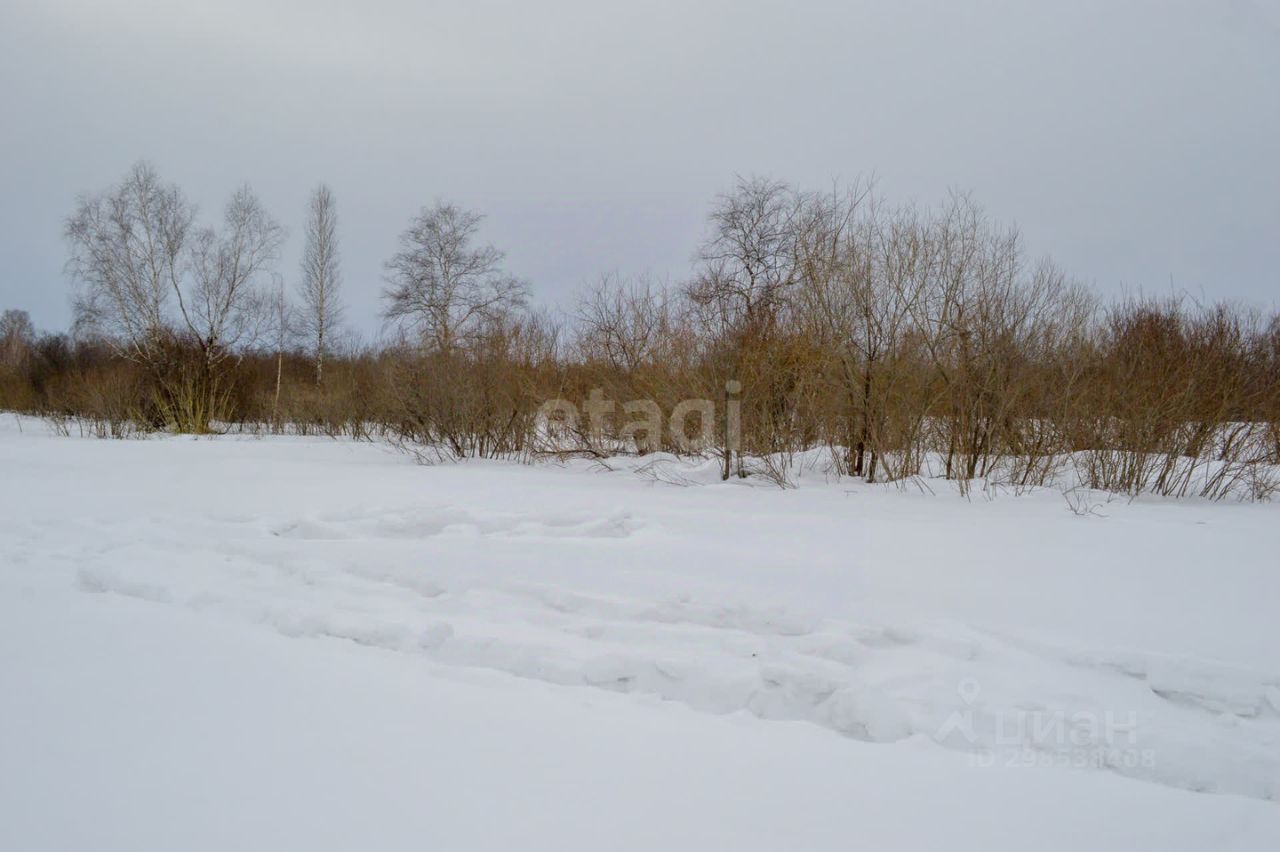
(902, 341)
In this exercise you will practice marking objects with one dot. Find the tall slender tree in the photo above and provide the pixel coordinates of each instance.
(322, 308)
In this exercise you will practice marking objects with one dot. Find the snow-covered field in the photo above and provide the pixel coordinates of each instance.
(289, 643)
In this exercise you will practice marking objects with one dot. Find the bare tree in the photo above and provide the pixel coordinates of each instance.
(226, 309)
(321, 277)
(284, 322)
(441, 286)
(749, 262)
(861, 277)
(154, 285)
(17, 338)
(128, 251)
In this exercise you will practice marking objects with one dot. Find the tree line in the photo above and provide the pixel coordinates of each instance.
(895, 341)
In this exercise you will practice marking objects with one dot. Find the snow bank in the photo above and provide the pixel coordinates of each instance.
(299, 643)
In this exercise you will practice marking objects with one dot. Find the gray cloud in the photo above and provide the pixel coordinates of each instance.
(1137, 142)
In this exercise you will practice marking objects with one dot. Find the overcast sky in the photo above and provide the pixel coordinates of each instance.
(1136, 142)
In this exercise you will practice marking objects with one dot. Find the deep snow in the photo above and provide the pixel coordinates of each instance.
(301, 643)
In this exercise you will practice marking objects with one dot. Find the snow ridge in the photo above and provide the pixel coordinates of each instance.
(1191, 724)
